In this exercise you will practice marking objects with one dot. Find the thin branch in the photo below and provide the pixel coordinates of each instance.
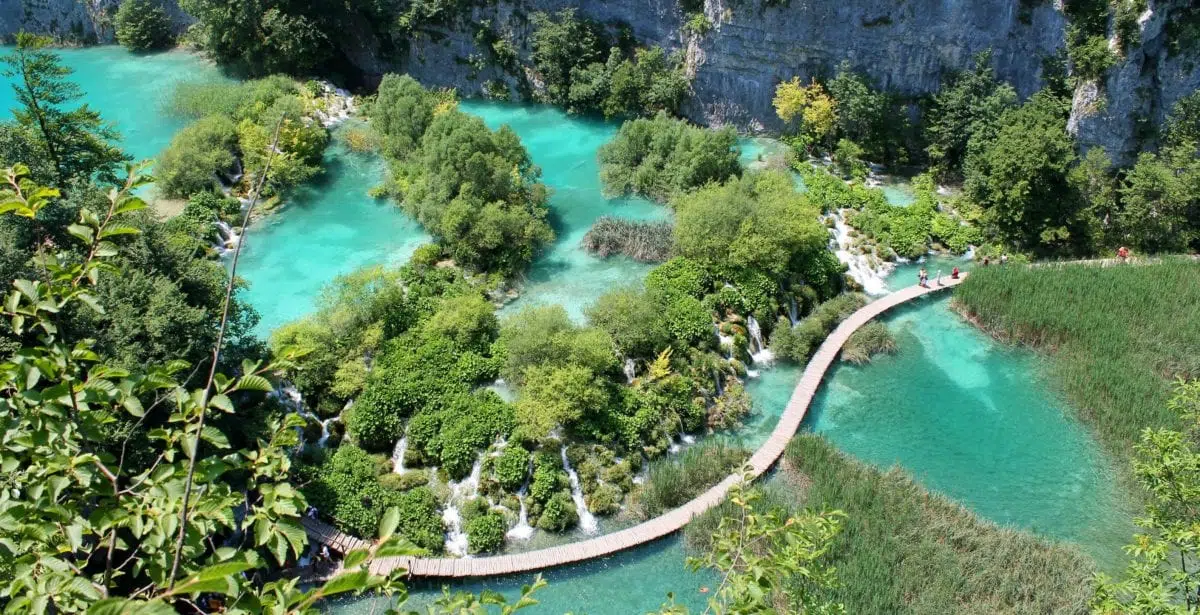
(212, 370)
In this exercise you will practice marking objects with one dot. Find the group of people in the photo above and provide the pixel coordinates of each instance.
(923, 277)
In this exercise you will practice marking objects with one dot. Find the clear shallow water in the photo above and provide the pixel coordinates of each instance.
(327, 228)
(131, 91)
(565, 148)
(971, 418)
(630, 583)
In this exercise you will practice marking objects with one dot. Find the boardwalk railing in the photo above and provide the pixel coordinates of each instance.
(660, 526)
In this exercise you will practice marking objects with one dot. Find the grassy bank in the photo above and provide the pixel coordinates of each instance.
(905, 550)
(1119, 335)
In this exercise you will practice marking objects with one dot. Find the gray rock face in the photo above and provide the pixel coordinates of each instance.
(904, 45)
(73, 21)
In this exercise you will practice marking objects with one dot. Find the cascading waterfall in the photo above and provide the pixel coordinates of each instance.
(587, 521)
(229, 237)
(758, 350)
(717, 382)
(398, 454)
(870, 276)
(969, 254)
(630, 370)
(793, 312)
(522, 530)
(467, 488)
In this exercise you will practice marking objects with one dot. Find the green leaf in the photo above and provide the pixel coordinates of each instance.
(355, 558)
(254, 383)
(213, 436)
(222, 403)
(387, 525)
(346, 582)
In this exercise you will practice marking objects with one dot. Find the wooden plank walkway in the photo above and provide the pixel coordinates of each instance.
(667, 523)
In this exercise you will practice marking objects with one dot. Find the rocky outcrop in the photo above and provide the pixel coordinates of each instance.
(1138, 93)
(71, 21)
(905, 45)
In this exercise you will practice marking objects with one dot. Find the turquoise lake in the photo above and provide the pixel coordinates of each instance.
(967, 416)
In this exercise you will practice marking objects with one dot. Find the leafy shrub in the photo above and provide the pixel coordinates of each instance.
(143, 25)
(541, 335)
(637, 324)
(485, 533)
(798, 343)
(548, 477)
(661, 157)
(404, 482)
(689, 322)
(191, 162)
(646, 242)
(679, 277)
(344, 487)
(650, 82)
(729, 408)
(421, 519)
(559, 513)
(512, 466)
(605, 499)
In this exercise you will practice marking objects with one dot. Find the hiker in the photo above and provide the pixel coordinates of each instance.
(922, 278)
(986, 261)
(938, 277)
(1123, 253)
(954, 273)
(1004, 258)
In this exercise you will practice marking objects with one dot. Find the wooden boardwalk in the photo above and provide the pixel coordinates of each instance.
(660, 526)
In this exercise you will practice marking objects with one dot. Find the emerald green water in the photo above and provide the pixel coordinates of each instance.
(131, 91)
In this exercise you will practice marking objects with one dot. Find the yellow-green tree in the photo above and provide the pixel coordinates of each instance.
(815, 109)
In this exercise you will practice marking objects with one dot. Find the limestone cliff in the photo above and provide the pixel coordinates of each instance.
(905, 45)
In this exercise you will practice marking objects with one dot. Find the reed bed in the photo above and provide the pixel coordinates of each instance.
(871, 339)
(672, 481)
(906, 550)
(646, 242)
(1120, 335)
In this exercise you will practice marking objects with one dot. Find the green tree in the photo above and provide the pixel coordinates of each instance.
(400, 114)
(1163, 578)
(1160, 201)
(143, 25)
(810, 104)
(77, 143)
(196, 155)
(662, 157)
(561, 43)
(559, 396)
(969, 104)
(1019, 178)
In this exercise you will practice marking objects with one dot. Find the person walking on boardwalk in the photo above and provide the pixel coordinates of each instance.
(938, 278)
(954, 273)
(1123, 254)
(922, 277)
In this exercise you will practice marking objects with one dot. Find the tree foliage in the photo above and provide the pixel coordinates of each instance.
(967, 108)
(143, 25)
(662, 157)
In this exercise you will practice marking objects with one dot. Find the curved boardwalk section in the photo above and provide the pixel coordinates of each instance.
(660, 526)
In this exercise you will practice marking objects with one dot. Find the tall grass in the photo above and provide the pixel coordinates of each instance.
(647, 242)
(672, 481)
(871, 339)
(905, 550)
(1119, 335)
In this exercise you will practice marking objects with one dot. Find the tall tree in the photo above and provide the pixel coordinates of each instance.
(78, 143)
(969, 104)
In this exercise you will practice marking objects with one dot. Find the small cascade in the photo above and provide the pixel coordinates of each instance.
(467, 488)
(323, 441)
(630, 370)
(522, 530)
(398, 455)
(587, 521)
(861, 268)
(969, 254)
(758, 349)
(229, 237)
(717, 382)
(793, 312)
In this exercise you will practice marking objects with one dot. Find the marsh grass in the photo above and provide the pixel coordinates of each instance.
(906, 550)
(871, 339)
(647, 242)
(1119, 335)
(674, 480)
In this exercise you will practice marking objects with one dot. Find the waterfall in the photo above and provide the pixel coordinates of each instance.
(587, 521)
(229, 237)
(522, 530)
(793, 312)
(870, 276)
(398, 455)
(467, 488)
(630, 370)
(969, 254)
(762, 354)
(717, 382)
